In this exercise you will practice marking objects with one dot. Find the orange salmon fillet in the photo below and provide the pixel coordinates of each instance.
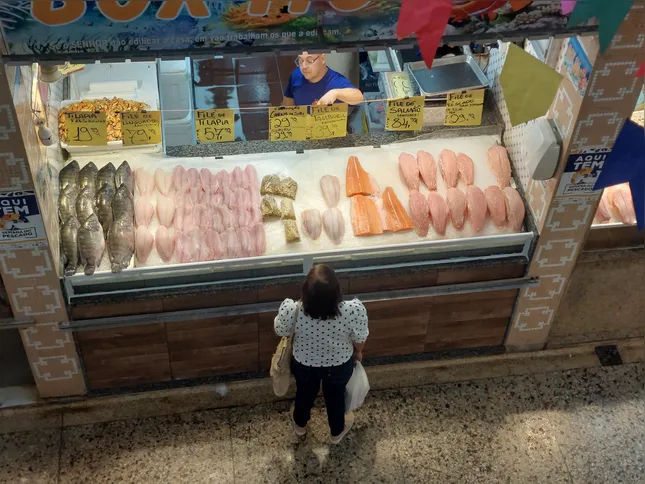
(396, 218)
(357, 181)
(366, 219)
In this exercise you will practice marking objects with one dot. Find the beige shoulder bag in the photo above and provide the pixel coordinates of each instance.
(281, 360)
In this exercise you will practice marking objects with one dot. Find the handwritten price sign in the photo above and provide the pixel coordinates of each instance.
(141, 128)
(85, 128)
(215, 125)
(404, 114)
(465, 108)
(288, 123)
(328, 121)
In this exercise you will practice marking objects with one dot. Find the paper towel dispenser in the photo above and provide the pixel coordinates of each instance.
(542, 145)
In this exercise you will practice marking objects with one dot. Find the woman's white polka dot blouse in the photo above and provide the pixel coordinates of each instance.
(322, 343)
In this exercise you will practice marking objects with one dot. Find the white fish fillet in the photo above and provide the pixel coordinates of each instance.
(448, 167)
(330, 186)
(409, 171)
(334, 225)
(427, 169)
(145, 182)
(496, 202)
(438, 212)
(163, 182)
(466, 168)
(500, 165)
(457, 204)
(419, 213)
(311, 223)
(165, 242)
(143, 243)
(165, 210)
(514, 208)
(143, 212)
(477, 207)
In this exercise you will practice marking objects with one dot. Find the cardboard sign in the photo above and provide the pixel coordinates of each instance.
(581, 173)
(86, 128)
(404, 114)
(329, 121)
(21, 224)
(288, 123)
(465, 108)
(141, 128)
(215, 125)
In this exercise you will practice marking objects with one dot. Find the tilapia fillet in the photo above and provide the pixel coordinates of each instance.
(366, 219)
(514, 208)
(357, 180)
(466, 168)
(496, 202)
(438, 212)
(427, 169)
(457, 204)
(409, 171)
(477, 207)
(334, 225)
(449, 168)
(500, 165)
(419, 212)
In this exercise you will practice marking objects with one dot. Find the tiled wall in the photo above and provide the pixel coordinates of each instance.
(29, 274)
(609, 99)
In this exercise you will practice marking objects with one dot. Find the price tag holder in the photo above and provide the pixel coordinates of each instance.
(288, 123)
(215, 125)
(465, 108)
(328, 121)
(141, 128)
(400, 84)
(404, 114)
(85, 128)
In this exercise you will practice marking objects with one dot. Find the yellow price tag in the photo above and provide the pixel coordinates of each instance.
(329, 121)
(141, 128)
(404, 114)
(85, 128)
(70, 68)
(288, 123)
(465, 108)
(215, 125)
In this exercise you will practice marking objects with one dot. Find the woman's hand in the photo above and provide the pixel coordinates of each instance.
(358, 356)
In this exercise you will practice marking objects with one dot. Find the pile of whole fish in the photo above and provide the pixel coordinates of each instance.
(96, 210)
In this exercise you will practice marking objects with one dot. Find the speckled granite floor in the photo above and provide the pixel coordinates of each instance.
(580, 426)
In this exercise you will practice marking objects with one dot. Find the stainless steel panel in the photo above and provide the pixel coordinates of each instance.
(448, 74)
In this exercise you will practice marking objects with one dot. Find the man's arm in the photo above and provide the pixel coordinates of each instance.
(349, 95)
(288, 101)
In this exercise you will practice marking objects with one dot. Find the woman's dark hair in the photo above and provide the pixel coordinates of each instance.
(321, 293)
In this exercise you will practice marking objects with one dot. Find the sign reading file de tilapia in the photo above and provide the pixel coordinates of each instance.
(581, 172)
(21, 224)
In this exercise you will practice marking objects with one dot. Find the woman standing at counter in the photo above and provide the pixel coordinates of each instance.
(329, 335)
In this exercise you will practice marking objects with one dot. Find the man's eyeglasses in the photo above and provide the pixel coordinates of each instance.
(309, 61)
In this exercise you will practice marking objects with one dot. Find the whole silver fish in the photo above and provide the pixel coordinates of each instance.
(123, 203)
(85, 204)
(121, 243)
(87, 177)
(104, 206)
(125, 177)
(105, 176)
(69, 244)
(69, 175)
(67, 202)
(91, 244)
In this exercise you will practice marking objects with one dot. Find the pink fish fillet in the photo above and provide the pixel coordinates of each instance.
(203, 251)
(603, 213)
(419, 212)
(228, 197)
(427, 169)
(457, 204)
(259, 239)
(477, 207)
(223, 179)
(252, 176)
(334, 225)
(201, 216)
(496, 202)
(191, 178)
(438, 212)
(226, 218)
(238, 177)
(205, 178)
(246, 244)
(514, 208)
(163, 182)
(145, 182)
(623, 201)
(500, 165)
(311, 223)
(186, 250)
(143, 211)
(183, 218)
(178, 175)
(165, 241)
(230, 240)
(409, 171)
(448, 167)
(330, 186)
(143, 243)
(214, 241)
(165, 210)
(466, 168)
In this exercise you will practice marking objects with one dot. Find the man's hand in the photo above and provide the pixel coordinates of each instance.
(330, 98)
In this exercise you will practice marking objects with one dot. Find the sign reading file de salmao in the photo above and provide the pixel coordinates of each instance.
(21, 224)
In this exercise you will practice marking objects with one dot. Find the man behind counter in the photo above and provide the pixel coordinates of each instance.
(315, 83)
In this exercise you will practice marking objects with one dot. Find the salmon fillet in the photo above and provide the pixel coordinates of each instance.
(448, 167)
(457, 204)
(366, 219)
(358, 181)
(477, 207)
(409, 171)
(419, 212)
(514, 208)
(438, 212)
(623, 201)
(496, 202)
(396, 218)
(466, 168)
(427, 169)
(500, 165)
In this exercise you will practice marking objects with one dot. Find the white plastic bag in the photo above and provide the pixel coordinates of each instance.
(357, 388)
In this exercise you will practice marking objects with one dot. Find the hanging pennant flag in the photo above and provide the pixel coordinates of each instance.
(427, 19)
(529, 86)
(568, 6)
(626, 163)
(609, 13)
